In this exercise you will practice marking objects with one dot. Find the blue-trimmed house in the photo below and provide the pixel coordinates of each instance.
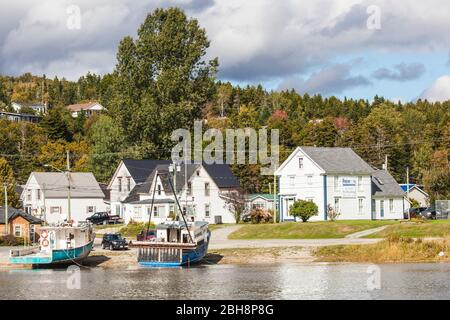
(335, 177)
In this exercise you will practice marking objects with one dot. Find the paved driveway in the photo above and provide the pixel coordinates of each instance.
(219, 240)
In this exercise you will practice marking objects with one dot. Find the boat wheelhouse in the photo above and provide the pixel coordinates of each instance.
(176, 244)
(57, 245)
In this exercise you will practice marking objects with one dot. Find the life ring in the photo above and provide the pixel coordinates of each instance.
(44, 243)
(44, 234)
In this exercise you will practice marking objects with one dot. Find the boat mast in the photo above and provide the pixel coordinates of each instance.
(179, 207)
(151, 207)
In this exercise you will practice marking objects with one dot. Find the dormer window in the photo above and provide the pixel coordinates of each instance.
(300, 163)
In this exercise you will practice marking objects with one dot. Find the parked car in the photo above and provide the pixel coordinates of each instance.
(113, 241)
(424, 212)
(429, 213)
(151, 235)
(104, 218)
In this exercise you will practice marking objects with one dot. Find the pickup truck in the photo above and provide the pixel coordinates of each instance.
(104, 218)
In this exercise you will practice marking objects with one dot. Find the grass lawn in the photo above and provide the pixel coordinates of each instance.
(391, 250)
(218, 226)
(107, 226)
(430, 228)
(308, 230)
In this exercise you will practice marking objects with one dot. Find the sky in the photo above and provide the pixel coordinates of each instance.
(347, 48)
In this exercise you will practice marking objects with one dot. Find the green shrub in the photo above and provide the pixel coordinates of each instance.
(304, 209)
(10, 240)
(132, 229)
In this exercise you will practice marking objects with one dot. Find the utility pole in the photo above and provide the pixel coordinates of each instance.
(45, 208)
(274, 197)
(386, 162)
(69, 209)
(6, 209)
(407, 192)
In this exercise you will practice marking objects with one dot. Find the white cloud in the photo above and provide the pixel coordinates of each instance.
(332, 79)
(257, 40)
(439, 90)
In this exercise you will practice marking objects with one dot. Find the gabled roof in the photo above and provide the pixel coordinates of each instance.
(412, 186)
(384, 185)
(266, 196)
(141, 169)
(82, 106)
(338, 160)
(56, 185)
(220, 173)
(13, 213)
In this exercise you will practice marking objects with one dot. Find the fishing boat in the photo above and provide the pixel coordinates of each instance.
(61, 244)
(176, 244)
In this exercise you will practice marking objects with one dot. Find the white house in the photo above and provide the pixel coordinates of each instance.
(128, 175)
(201, 189)
(416, 193)
(388, 199)
(335, 177)
(37, 107)
(89, 108)
(46, 195)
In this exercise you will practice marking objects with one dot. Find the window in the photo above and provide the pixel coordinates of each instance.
(360, 205)
(391, 205)
(171, 209)
(207, 211)
(155, 212)
(149, 211)
(336, 183)
(309, 179)
(118, 209)
(17, 230)
(55, 210)
(291, 180)
(38, 194)
(137, 212)
(191, 209)
(300, 163)
(159, 189)
(360, 183)
(382, 208)
(198, 173)
(336, 204)
(258, 205)
(90, 210)
(189, 189)
(128, 183)
(28, 195)
(207, 189)
(119, 179)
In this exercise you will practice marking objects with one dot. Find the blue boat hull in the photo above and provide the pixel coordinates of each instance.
(58, 256)
(189, 256)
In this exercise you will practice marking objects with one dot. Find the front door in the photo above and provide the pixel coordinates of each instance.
(289, 202)
(382, 208)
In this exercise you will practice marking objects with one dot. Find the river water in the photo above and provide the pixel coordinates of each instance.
(276, 281)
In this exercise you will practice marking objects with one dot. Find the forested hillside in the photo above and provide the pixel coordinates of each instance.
(162, 82)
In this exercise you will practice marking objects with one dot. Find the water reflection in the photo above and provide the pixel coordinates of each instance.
(281, 281)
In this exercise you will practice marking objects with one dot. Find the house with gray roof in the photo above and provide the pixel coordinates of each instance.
(388, 198)
(338, 179)
(45, 195)
(202, 191)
